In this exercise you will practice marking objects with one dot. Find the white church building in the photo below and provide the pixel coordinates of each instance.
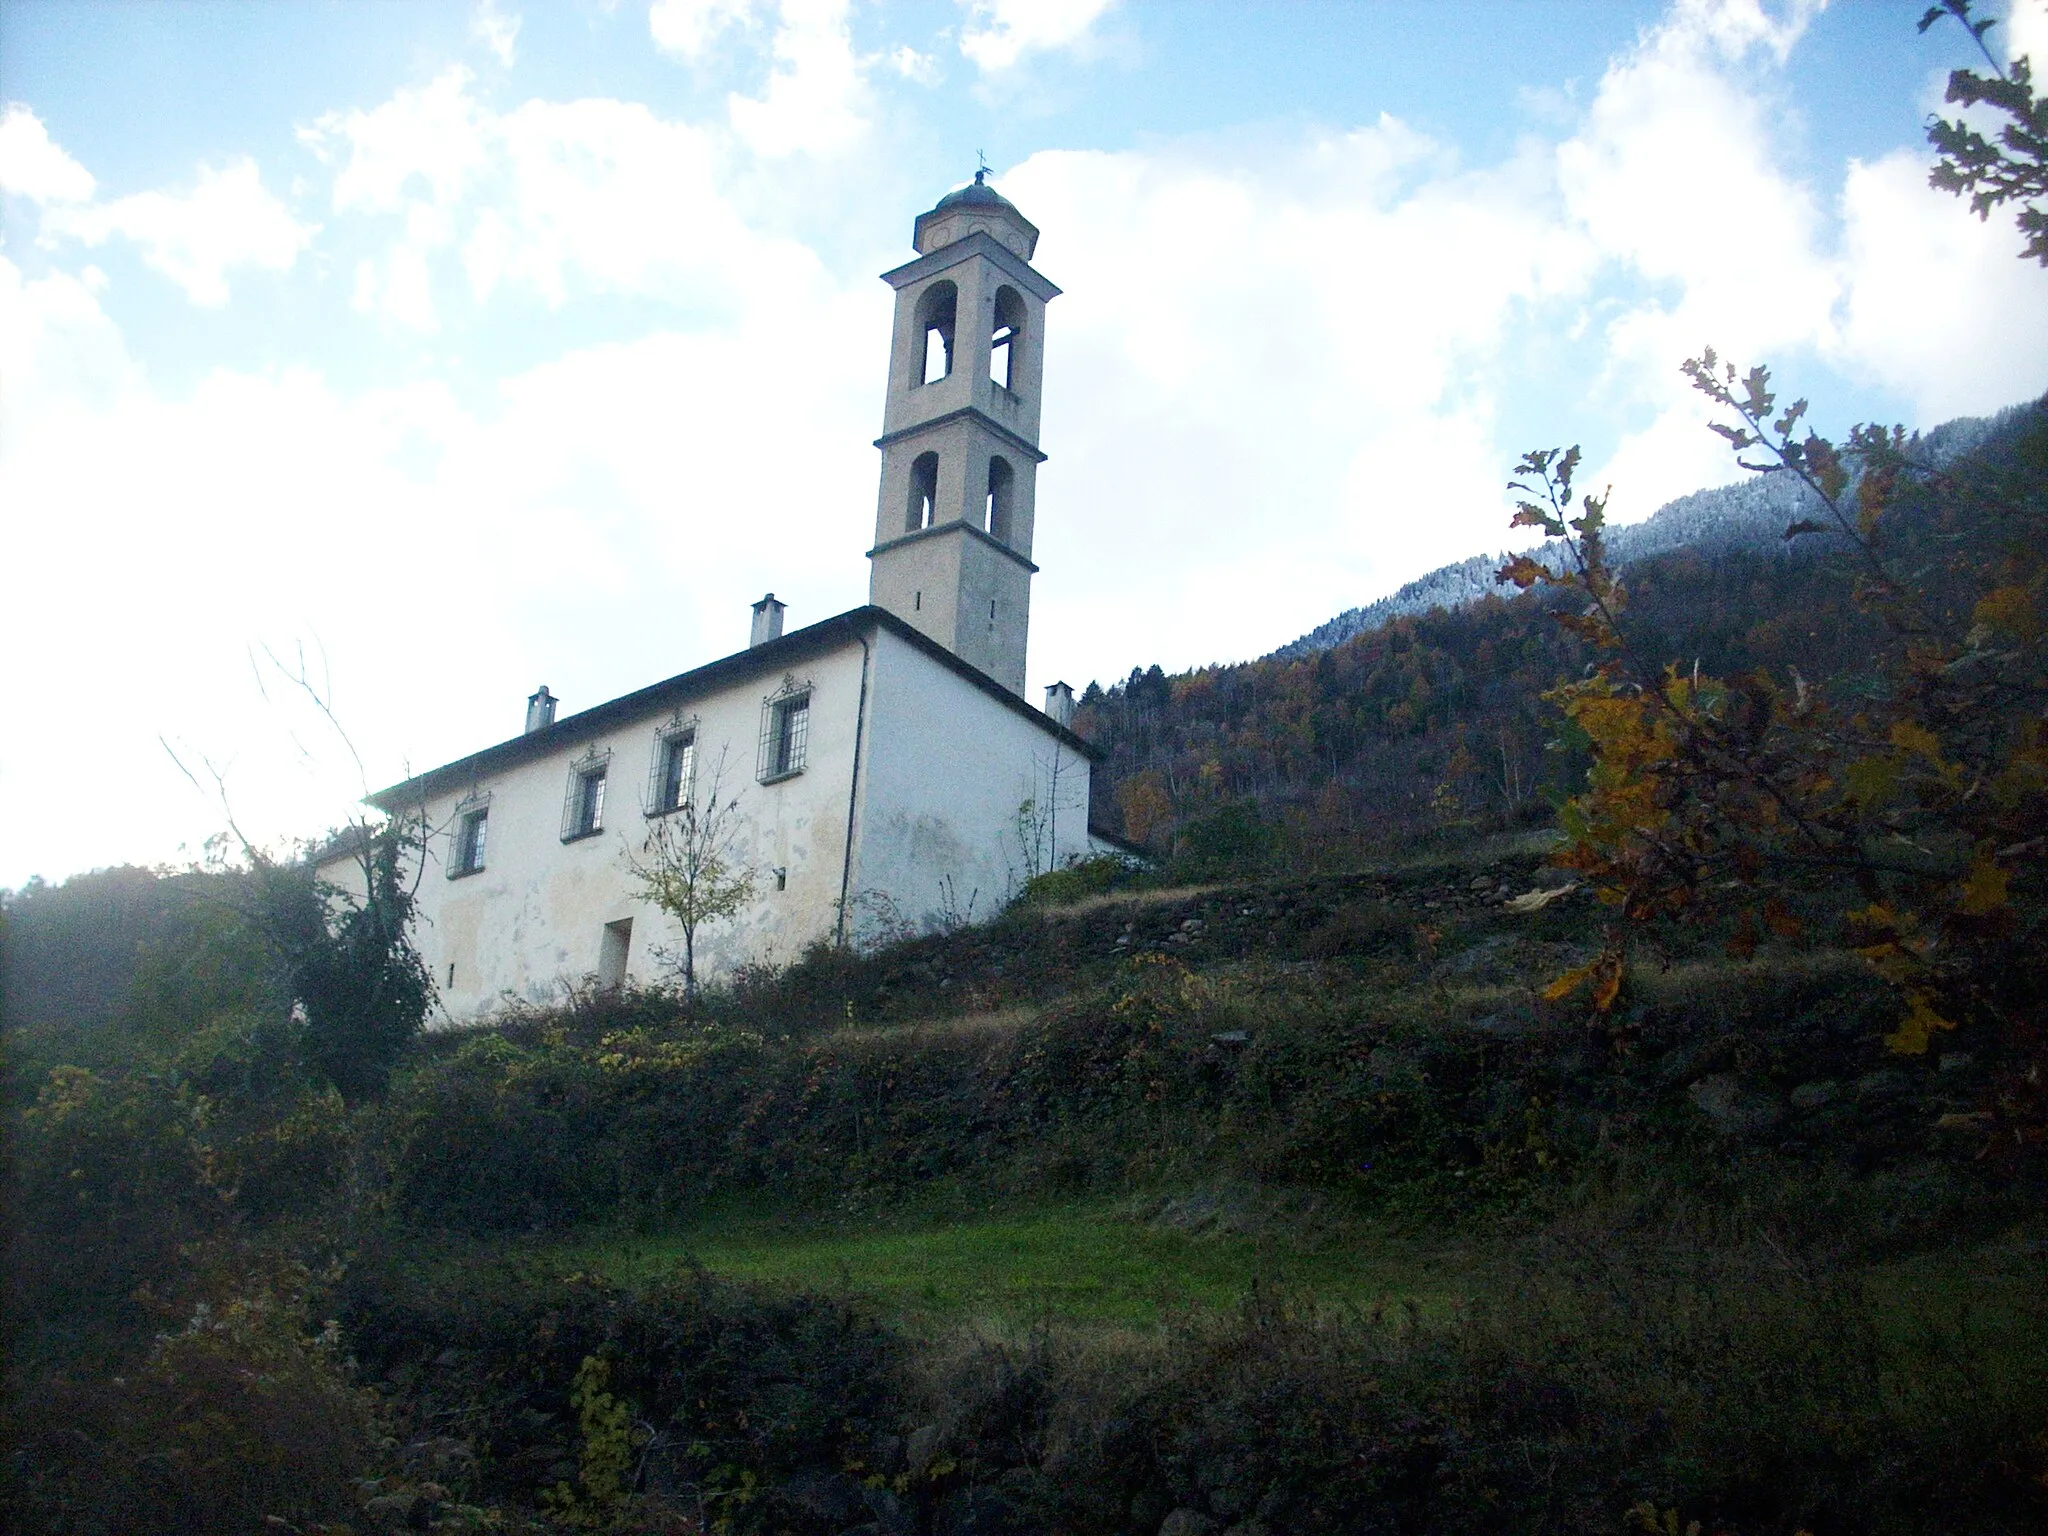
(890, 775)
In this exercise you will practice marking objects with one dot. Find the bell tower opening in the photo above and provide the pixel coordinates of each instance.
(936, 313)
(924, 493)
(1005, 345)
(1002, 482)
(960, 456)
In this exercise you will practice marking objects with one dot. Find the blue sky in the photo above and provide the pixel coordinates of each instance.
(469, 346)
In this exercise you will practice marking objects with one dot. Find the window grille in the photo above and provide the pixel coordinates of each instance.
(472, 829)
(583, 809)
(785, 733)
(673, 768)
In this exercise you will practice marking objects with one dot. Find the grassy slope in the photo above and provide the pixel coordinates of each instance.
(1120, 1263)
(944, 1257)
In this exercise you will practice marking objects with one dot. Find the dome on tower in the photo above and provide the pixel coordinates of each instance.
(976, 207)
(977, 192)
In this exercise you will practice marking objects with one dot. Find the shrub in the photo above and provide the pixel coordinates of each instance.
(242, 1417)
(111, 1182)
(1083, 878)
(733, 1392)
(1680, 1366)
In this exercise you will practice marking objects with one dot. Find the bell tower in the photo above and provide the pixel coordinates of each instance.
(959, 441)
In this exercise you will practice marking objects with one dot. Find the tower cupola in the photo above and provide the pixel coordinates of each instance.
(976, 206)
(959, 442)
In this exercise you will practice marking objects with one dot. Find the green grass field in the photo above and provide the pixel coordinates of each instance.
(1118, 1264)
(1091, 1263)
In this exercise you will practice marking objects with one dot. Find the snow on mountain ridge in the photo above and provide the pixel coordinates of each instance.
(1751, 513)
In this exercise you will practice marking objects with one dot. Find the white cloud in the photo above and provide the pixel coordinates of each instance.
(497, 30)
(2026, 36)
(918, 68)
(1000, 32)
(229, 219)
(1272, 382)
(595, 524)
(1939, 304)
(1732, 28)
(816, 96)
(33, 166)
(550, 199)
(1672, 178)
(688, 28)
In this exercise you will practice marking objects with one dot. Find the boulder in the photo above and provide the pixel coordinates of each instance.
(1814, 1094)
(1733, 1109)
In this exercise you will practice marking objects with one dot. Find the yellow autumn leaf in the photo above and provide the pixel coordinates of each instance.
(1984, 888)
(1569, 982)
(1913, 737)
(1869, 781)
(1917, 1028)
(2009, 610)
(1608, 988)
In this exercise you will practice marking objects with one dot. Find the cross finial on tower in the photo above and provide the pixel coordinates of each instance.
(981, 168)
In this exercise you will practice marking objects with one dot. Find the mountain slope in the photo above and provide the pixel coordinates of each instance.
(1751, 513)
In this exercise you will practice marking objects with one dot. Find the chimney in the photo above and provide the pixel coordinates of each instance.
(767, 621)
(540, 710)
(1059, 703)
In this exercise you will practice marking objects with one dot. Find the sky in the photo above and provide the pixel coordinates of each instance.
(434, 351)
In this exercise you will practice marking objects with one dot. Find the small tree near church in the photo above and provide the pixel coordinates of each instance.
(691, 865)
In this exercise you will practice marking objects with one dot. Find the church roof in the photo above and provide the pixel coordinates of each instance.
(976, 192)
(768, 657)
(977, 197)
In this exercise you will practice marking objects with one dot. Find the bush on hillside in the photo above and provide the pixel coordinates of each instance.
(1390, 1088)
(243, 1418)
(111, 1182)
(735, 1400)
(1689, 1368)
(1081, 879)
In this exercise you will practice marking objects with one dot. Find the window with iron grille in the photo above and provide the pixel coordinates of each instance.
(785, 733)
(583, 811)
(674, 767)
(472, 827)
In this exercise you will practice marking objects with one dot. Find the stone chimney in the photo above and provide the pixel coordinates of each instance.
(540, 710)
(1059, 703)
(767, 621)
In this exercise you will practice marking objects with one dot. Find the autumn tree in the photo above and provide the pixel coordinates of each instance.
(1907, 804)
(691, 864)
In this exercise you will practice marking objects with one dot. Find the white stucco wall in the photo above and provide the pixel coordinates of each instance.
(535, 915)
(947, 769)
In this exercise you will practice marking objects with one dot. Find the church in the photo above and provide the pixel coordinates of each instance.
(884, 771)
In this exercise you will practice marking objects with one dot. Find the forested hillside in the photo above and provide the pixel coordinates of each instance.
(1426, 717)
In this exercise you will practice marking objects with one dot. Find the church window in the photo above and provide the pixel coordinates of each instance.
(932, 358)
(924, 493)
(1002, 485)
(583, 812)
(1008, 340)
(471, 830)
(675, 765)
(785, 734)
